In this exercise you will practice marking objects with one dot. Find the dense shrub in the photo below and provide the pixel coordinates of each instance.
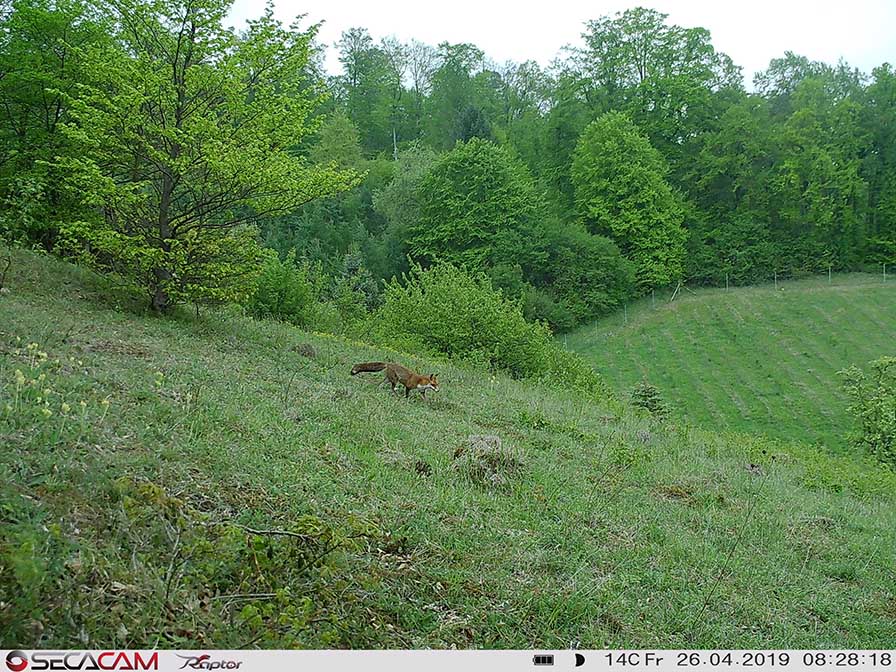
(740, 250)
(648, 398)
(540, 305)
(478, 206)
(287, 291)
(874, 407)
(586, 273)
(444, 309)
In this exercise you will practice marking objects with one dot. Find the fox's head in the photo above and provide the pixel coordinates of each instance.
(429, 382)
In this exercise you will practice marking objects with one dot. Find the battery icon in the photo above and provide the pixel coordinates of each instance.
(543, 659)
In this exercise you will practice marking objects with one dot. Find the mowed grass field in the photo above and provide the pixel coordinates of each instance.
(753, 359)
(216, 482)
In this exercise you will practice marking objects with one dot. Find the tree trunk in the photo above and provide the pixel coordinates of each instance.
(160, 300)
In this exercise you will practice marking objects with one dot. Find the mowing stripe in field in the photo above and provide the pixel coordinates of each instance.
(753, 358)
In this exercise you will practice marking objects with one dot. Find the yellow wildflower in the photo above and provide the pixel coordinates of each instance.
(65, 407)
(47, 412)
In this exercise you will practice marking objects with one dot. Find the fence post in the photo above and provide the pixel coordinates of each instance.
(829, 274)
(776, 279)
(726, 282)
(652, 298)
(885, 271)
(624, 313)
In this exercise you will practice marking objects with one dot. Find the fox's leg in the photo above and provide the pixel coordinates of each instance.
(407, 392)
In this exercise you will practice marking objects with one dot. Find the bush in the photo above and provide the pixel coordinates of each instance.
(540, 305)
(741, 249)
(443, 309)
(287, 291)
(874, 407)
(648, 398)
(586, 273)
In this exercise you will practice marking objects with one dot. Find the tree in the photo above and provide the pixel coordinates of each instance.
(370, 87)
(453, 91)
(40, 67)
(819, 197)
(399, 203)
(621, 191)
(879, 120)
(666, 77)
(422, 63)
(478, 207)
(188, 134)
(873, 407)
(337, 142)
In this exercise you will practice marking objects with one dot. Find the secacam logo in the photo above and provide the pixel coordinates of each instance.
(16, 661)
(205, 662)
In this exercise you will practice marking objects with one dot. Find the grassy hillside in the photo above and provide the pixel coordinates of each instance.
(752, 359)
(226, 483)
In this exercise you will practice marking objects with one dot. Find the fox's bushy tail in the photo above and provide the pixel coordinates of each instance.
(368, 366)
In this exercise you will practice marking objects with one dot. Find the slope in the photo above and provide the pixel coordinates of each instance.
(225, 483)
(753, 359)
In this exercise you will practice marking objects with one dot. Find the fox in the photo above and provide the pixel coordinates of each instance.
(396, 373)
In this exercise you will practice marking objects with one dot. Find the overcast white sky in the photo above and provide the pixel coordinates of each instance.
(751, 32)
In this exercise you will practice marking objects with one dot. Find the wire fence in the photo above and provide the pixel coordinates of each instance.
(866, 274)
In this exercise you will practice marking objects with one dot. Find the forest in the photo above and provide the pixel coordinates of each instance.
(202, 164)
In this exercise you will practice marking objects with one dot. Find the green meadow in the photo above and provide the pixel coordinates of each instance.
(213, 481)
(752, 359)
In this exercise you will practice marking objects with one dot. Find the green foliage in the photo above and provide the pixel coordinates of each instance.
(301, 293)
(453, 91)
(586, 273)
(129, 525)
(478, 207)
(445, 310)
(181, 153)
(874, 407)
(337, 142)
(647, 397)
(287, 291)
(621, 191)
(668, 79)
(539, 305)
(741, 251)
(399, 203)
(200, 265)
(41, 66)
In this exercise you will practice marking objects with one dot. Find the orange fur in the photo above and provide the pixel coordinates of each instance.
(396, 373)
